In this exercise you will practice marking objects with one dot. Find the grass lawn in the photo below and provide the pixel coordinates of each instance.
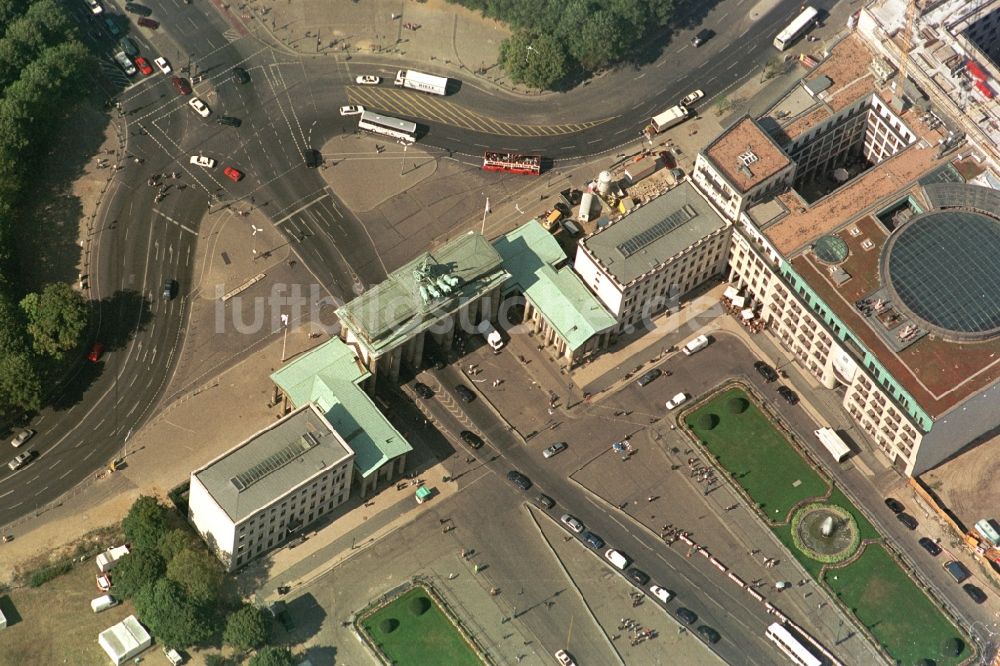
(757, 456)
(429, 638)
(53, 624)
(893, 608)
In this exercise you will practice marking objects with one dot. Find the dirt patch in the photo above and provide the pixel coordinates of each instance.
(967, 483)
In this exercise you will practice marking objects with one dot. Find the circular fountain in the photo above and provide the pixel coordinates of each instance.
(825, 532)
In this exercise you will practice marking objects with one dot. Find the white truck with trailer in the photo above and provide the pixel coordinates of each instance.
(695, 345)
(675, 115)
(428, 83)
(492, 335)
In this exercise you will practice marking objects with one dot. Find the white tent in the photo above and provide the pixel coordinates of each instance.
(124, 640)
(747, 314)
(731, 293)
(739, 301)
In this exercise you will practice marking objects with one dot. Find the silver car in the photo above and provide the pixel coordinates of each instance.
(572, 523)
(21, 437)
(19, 460)
(554, 449)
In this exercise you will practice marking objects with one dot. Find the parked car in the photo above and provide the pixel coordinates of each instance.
(975, 593)
(169, 289)
(766, 371)
(545, 501)
(661, 593)
(202, 161)
(676, 400)
(125, 63)
(368, 80)
(564, 659)
(241, 75)
(199, 107)
(908, 521)
(423, 390)
(518, 479)
(554, 449)
(233, 174)
(128, 46)
(94, 6)
(232, 121)
(471, 438)
(465, 394)
(572, 523)
(692, 98)
(21, 437)
(790, 396)
(593, 540)
(148, 23)
(20, 460)
(894, 505)
(957, 570)
(143, 66)
(162, 64)
(928, 544)
(112, 25)
(637, 576)
(104, 582)
(649, 377)
(138, 9)
(352, 110)
(709, 634)
(96, 351)
(702, 37)
(181, 85)
(688, 616)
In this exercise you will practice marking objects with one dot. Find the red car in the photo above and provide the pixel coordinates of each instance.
(96, 352)
(148, 23)
(234, 175)
(182, 85)
(143, 66)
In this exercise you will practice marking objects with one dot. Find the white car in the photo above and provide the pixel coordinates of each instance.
(572, 523)
(368, 80)
(125, 63)
(692, 98)
(19, 460)
(676, 400)
(162, 63)
(352, 110)
(95, 6)
(564, 659)
(660, 593)
(202, 161)
(21, 437)
(200, 107)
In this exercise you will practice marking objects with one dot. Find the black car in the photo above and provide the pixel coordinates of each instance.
(518, 479)
(709, 634)
(545, 501)
(140, 10)
(241, 75)
(790, 396)
(637, 576)
(593, 540)
(766, 371)
(908, 521)
(465, 393)
(169, 288)
(471, 438)
(688, 616)
(702, 37)
(975, 593)
(894, 505)
(423, 390)
(928, 544)
(649, 377)
(229, 120)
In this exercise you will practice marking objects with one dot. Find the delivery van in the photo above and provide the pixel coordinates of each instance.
(103, 603)
(617, 559)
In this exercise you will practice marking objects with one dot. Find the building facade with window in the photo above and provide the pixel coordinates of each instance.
(266, 489)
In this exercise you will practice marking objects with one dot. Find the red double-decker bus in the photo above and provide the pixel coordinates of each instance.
(512, 163)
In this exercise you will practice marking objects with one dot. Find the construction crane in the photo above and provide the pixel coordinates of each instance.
(904, 57)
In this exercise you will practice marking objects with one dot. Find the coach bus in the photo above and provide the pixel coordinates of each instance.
(403, 130)
(796, 28)
(530, 165)
(791, 647)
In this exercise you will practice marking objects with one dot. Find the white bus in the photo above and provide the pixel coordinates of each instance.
(403, 130)
(791, 647)
(796, 28)
(829, 438)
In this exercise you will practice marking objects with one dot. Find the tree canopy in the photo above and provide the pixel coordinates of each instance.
(57, 318)
(171, 616)
(145, 524)
(198, 574)
(137, 570)
(273, 656)
(247, 628)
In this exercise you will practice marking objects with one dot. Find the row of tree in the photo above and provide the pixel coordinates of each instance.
(44, 73)
(178, 587)
(557, 40)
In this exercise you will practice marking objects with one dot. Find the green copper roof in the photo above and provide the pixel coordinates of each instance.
(397, 309)
(541, 270)
(330, 376)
